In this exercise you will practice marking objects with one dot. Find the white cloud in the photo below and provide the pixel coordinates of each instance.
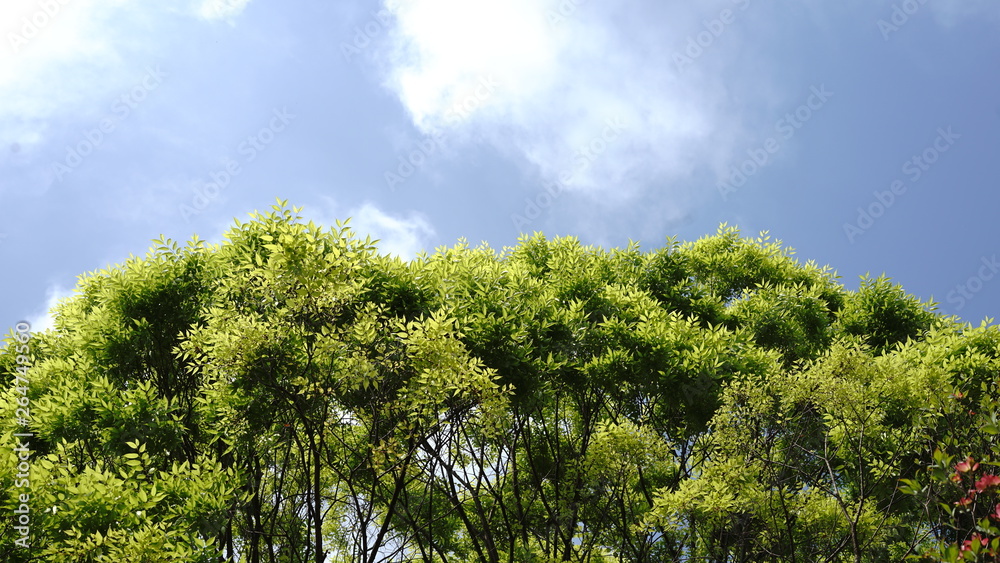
(402, 236)
(51, 60)
(64, 59)
(555, 82)
(561, 68)
(221, 9)
(42, 320)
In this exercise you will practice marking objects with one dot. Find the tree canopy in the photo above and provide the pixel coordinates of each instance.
(292, 395)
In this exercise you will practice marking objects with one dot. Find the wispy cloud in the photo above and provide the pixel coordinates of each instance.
(42, 319)
(401, 235)
(221, 9)
(560, 74)
(64, 59)
(563, 67)
(51, 59)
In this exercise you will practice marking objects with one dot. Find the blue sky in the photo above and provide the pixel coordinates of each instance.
(864, 134)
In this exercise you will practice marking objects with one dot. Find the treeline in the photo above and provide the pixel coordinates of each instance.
(290, 395)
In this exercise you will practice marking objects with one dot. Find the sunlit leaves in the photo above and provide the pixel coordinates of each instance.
(291, 391)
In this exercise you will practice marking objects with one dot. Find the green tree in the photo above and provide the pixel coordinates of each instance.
(291, 395)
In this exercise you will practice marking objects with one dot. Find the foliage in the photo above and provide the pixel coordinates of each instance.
(292, 395)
